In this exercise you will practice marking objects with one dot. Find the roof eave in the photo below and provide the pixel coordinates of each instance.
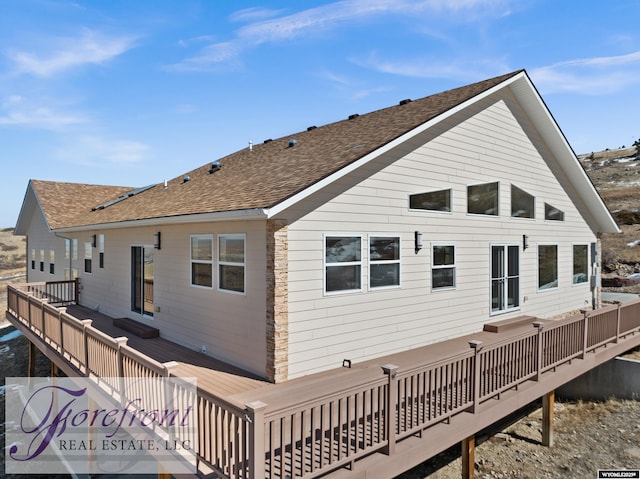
(236, 215)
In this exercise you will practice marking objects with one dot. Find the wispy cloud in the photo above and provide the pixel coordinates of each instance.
(470, 69)
(314, 21)
(15, 110)
(89, 47)
(589, 76)
(254, 14)
(95, 150)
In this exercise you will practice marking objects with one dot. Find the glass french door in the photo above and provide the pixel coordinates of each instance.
(142, 279)
(505, 277)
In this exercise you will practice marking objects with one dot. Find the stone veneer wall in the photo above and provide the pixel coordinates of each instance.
(277, 367)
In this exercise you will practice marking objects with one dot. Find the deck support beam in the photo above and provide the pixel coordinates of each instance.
(468, 457)
(548, 401)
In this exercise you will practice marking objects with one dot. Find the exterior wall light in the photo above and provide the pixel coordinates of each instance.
(157, 240)
(525, 242)
(418, 240)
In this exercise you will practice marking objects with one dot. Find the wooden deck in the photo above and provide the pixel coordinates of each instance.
(373, 420)
(217, 377)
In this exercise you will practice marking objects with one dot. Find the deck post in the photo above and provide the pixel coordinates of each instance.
(391, 370)
(32, 360)
(585, 313)
(539, 326)
(255, 410)
(468, 457)
(618, 316)
(548, 401)
(477, 347)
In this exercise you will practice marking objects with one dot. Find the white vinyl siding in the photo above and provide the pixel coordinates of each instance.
(495, 144)
(231, 326)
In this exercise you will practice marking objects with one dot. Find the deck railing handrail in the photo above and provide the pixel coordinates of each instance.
(315, 434)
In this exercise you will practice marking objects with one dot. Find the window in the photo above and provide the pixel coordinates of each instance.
(384, 261)
(432, 200)
(52, 261)
(343, 263)
(547, 266)
(231, 262)
(523, 205)
(483, 199)
(580, 263)
(74, 248)
(443, 267)
(67, 248)
(552, 213)
(88, 256)
(73, 275)
(101, 251)
(42, 260)
(202, 260)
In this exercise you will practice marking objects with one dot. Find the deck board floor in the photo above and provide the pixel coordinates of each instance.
(213, 375)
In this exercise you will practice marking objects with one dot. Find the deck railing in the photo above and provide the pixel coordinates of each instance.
(371, 410)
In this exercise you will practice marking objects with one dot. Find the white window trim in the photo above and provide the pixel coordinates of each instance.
(211, 262)
(544, 290)
(520, 295)
(535, 205)
(588, 245)
(484, 215)
(230, 263)
(424, 210)
(350, 263)
(454, 267)
(376, 262)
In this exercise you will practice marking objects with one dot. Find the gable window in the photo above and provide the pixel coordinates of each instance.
(483, 199)
(547, 266)
(88, 257)
(580, 263)
(384, 261)
(231, 262)
(52, 262)
(42, 260)
(443, 267)
(432, 201)
(523, 205)
(552, 213)
(101, 251)
(343, 263)
(202, 260)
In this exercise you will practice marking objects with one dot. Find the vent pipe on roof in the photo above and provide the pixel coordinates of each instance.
(186, 178)
(250, 145)
(355, 115)
(292, 142)
(312, 128)
(404, 102)
(165, 185)
(215, 166)
(267, 140)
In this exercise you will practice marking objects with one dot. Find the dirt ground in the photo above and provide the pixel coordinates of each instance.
(587, 436)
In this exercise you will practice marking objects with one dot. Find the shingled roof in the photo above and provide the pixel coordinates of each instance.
(259, 178)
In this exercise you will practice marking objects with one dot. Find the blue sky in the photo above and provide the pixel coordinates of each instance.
(132, 92)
